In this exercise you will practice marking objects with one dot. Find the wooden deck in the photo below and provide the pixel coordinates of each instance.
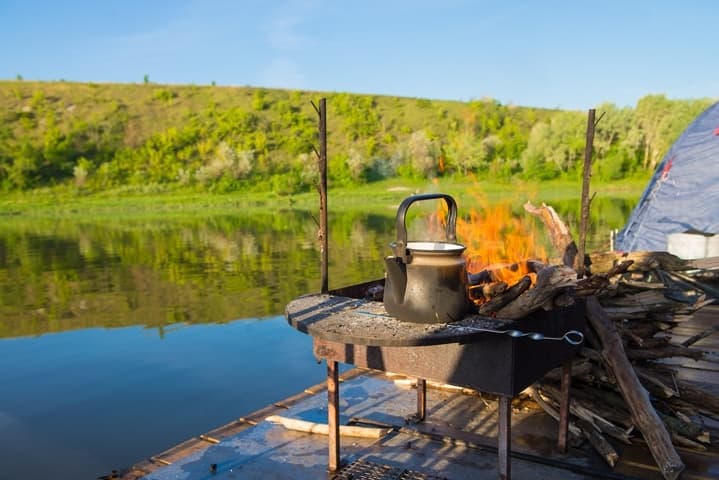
(457, 441)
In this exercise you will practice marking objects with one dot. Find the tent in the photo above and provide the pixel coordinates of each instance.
(683, 194)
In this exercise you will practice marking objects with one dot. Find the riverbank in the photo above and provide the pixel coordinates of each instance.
(163, 201)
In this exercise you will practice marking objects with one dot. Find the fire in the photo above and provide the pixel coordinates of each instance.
(497, 240)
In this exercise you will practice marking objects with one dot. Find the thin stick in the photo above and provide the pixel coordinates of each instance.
(584, 220)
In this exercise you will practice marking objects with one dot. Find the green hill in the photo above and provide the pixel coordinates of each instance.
(107, 136)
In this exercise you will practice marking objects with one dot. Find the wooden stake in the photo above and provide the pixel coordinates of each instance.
(584, 219)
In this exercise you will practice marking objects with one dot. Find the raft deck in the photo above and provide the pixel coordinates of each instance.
(456, 441)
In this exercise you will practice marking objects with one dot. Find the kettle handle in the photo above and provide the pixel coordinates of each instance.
(400, 246)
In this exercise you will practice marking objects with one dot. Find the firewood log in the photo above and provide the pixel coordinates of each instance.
(595, 283)
(579, 368)
(575, 433)
(487, 291)
(685, 442)
(701, 399)
(686, 429)
(322, 429)
(586, 430)
(588, 414)
(600, 444)
(665, 352)
(645, 416)
(651, 300)
(656, 386)
(642, 261)
(550, 281)
(699, 336)
(503, 299)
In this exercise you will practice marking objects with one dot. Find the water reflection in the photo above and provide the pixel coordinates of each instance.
(59, 276)
(63, 275)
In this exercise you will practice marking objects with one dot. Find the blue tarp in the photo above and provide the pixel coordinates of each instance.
(683, 194)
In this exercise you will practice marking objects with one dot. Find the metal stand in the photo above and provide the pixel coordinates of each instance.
(504, 439)
(421, 399)
(504, 420)
(333, 415)
(564, 402)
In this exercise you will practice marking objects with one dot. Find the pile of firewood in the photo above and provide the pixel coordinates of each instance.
(623, 386)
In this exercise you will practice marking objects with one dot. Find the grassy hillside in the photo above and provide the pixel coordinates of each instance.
(148, 137)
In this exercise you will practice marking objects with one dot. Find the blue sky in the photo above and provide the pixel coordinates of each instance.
(557, 54)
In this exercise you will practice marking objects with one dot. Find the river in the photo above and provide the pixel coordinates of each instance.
(120, 338)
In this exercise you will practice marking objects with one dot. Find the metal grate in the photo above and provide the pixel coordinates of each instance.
(366, 470)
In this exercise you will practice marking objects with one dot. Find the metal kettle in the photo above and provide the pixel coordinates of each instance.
(426, 282)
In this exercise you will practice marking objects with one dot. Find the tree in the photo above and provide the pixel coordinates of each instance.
(422, 154)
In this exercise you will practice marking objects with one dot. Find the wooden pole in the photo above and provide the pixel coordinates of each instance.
(587, 173)
(322, 187)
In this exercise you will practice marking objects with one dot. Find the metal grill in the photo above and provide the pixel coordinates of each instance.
(366, 470)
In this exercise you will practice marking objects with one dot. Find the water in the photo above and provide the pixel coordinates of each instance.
(122, 338)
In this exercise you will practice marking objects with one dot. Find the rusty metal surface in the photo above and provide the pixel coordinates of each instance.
(504, 438)
(368, 470)
(333, 415)
(564, 402)
(497, 364)
(351, 320)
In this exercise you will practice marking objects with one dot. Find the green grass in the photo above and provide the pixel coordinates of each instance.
(380, 196)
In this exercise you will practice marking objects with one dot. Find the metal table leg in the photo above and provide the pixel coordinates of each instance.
(333, 415)
(421, 399)
(564, 402)
(505, 437)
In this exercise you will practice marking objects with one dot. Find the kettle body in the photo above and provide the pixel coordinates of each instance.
(426, 282)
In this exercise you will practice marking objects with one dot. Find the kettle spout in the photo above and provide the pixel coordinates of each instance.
(396, 281)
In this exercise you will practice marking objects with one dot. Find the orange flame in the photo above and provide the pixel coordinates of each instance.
(497, 240)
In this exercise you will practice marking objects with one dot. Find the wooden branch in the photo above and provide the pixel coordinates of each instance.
(579, 368)
(590, 285)
(666, 352)
(643, 413)
(643, 261)
(589, 415)
(685, 442)
(699, 336)
(578, 429)
(701, 399)
(322, 429)
(648, 343)
(600, 444)
(686, 429)
(708, 289)
(648, 301)
(655, 385)
(550, 410)
(559, 233)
